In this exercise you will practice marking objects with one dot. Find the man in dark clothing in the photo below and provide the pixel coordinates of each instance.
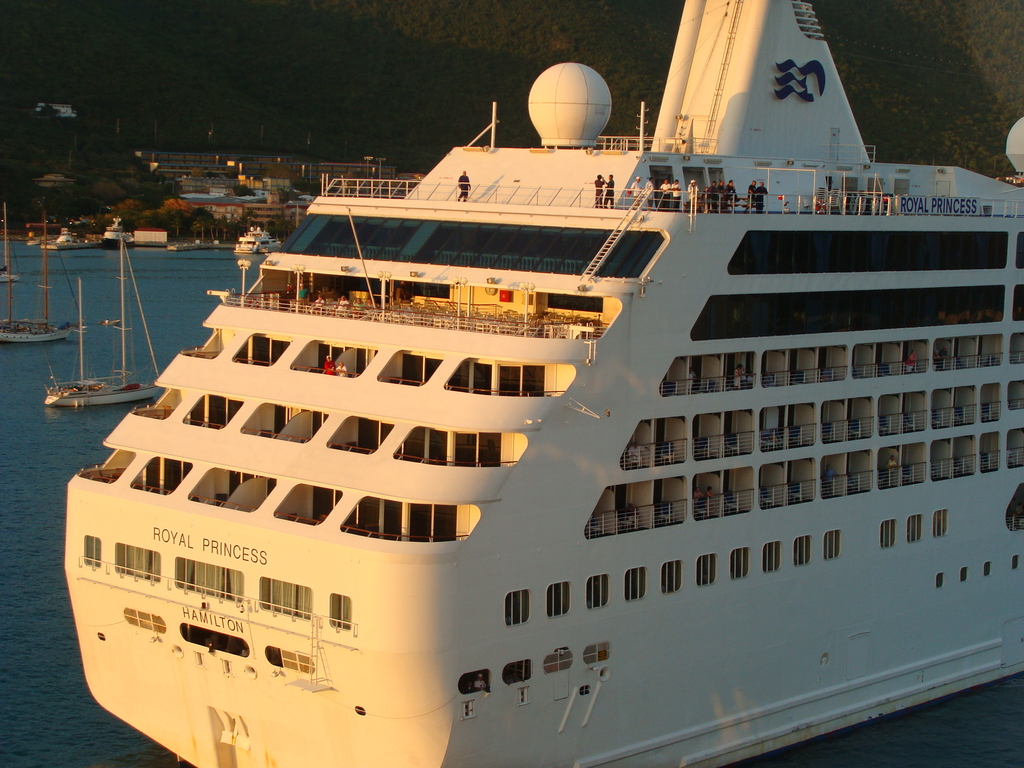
(464, 186)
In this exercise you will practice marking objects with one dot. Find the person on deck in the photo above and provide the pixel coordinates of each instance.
(464, 187)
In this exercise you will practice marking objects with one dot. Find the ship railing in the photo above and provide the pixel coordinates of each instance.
(723, 504)
(963, 362)
(786, 494)
(357, 531)
(100, 473)
(877, 370)
(225, 503)
(414, 315)
(452, 462)
(380, 188)
(1014, 458)
(193, 422)
(505, 392)
(990, 412)
(636, 518)
(783, 438)
(953, 416)
(201, 352)
(1016, 358)
(1015, 403)
(650, 455)
(352, 447)
(153, 411)
(719, 446)
(846, 429)
(163, 490)
(1015, 522)
(295, 517)
(988, 461)
(907, 474)
(958, 466)
(269, 433)
(695, 386)
(346, 374)
(846, 485)
(804, 376)
(902, 423)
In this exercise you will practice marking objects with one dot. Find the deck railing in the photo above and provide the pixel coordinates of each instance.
(846, 485)
(877, 370)
(420, 315)
(357, 531)
(848, 429)
(958, 466)
(153, 411)
(988, 462)
(723, 504)
(902, 423)
(907, 474)
(275, 435)
(649, 455)
(707, 384)
(990, 412)
(953, 416)
(782, 438)
(963, 362)
(1014, 458)
(785, 494)
(719, 446)
(632, 519)
(101, 474)
(806, 376)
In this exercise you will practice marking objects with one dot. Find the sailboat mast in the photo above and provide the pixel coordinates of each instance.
(46, 276)
(10, 277)
(124, 363)
(81, 335)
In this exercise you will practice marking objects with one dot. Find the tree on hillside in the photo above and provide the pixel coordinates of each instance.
(177, 213)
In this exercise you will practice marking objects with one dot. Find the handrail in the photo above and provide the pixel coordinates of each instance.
(695, 386)
(957, 466)
(894, 368)
(718, 446)
(724, 504)
(269, 433)
(846, 485)
(409, 316)
(506, 393)
(201, 352)
(452, 462)
(846, 429)
(907, 474)
(650, 455)
(902, 423)
(357, 531)
(803, 376)
(953, 416)
(153, 411)
(634, 518)
(786, 494)
(988, 462)
(101, 474)
(223, 503)
(990, 411)
(1014, 458)
(962, 362)
(784, 438)
(350, 447)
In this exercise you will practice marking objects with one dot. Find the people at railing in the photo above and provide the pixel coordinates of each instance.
(599, 184)
(609, 192)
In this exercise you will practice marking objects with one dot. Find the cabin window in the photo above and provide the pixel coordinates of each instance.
(93, 552)
(739, 563)
(558, 661)
(213, 411)
(294, 660)
(341, 612)
(285, 597)
(986, 569)
(940, 578)
(832, 545)
(963, 573)
(477, 681)
(137, 562)
(558, 599)
(597, 591)
(771, 556)
(161, 475)
(671, 576)
(635, 584)
(147, 621)
(517, 607)
(214, 641)
(1014, 562)
(914, 528)
(802, 550)
(207, 579)
(517, 672)
(706, 570)
(940, 522)
(597, 652)
(887, 534)
(261, 350)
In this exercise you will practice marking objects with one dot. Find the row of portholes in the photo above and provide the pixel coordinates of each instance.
(479, 680)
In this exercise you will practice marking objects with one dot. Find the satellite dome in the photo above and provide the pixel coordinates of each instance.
(570, 105)
(1014, 145)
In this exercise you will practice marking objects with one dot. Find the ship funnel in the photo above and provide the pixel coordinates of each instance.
(1015, 146)
(570, 105)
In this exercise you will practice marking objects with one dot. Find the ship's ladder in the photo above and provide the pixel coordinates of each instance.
(627, 221)
(318, 675)
(730, 43)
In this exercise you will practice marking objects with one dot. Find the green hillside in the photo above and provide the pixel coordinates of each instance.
(930, 80)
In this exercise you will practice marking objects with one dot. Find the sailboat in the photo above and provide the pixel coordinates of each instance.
(6, 275)
(122, 386)
(15, 331)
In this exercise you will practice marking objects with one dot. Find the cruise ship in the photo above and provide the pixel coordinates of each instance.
(506, 468)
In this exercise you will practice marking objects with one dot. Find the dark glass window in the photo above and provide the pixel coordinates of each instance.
(1020, 250)
(1018, 302)
(787, 253)
(554, 250)
(788, 314)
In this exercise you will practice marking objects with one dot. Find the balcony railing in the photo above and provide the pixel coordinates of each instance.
(153, 411)
(1016, 358)
(201, 352)
(632, 519)
(846, 485)
(1015, 403)
(162, 490)
(964, 362)
(959, 466)
(355, 530)
(420, 459)
(953, 416)
(907, 474)
(275, 435)
(723, 504)
(225, 503)
(650, 455)
(785, 494)
(902, 423)
(476, 320)
(782, 438)
(990, 412)
(988, 462)
(707, 384)
(1014, 458)
(850, 429)
(719, 446)
(877, 370)
(806, 376)
(101, 474)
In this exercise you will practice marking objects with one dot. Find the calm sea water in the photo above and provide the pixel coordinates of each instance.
(49, 720)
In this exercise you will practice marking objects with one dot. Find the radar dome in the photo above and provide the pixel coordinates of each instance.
(1015, 145)
(570, 105)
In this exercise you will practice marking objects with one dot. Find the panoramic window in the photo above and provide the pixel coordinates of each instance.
(517, 672)
(597, 591)
(517, 607)
(285, 597)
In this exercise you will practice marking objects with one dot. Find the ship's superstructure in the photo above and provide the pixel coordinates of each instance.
(508, 469)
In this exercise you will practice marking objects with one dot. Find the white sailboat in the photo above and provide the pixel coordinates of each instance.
(122, 386)
(6, 274)
(22, 331)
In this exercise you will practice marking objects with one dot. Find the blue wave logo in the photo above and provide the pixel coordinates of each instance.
(790, 84)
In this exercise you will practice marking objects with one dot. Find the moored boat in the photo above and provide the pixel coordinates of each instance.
(114, 236)
(257, 240)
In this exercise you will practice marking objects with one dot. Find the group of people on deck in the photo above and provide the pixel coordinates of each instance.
(718, 197)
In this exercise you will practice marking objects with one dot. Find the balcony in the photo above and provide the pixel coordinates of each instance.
(786, 494)
(719, 446)
(650, 455)
(201, 352)
(631, 519)
(808, 376)
(697, 386)
(782, 438)
(896, 477)
(902, 423)
(485, 318)
(723, 505)
(963, 362)
(846, 485)
(990, 412)
(989, 462)
(100, 473)
(955, 416)
(1014, 458)
(850, 429)
(878, 370)
(946, 469)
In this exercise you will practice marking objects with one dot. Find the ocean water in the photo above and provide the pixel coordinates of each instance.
(47, 717)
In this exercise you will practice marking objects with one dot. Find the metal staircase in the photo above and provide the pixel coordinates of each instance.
(627, 221)
(730, 43)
